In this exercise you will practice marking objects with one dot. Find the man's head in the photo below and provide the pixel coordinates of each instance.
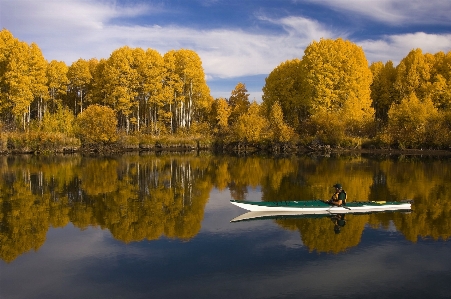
(338, 186)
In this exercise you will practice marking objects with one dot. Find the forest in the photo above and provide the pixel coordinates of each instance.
(138, 98)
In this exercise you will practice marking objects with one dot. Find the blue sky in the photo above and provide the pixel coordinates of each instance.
(238, 41)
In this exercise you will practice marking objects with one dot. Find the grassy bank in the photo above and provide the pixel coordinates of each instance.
(47, 143)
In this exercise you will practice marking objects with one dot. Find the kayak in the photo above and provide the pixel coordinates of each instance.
(320, 206)
(265, 215)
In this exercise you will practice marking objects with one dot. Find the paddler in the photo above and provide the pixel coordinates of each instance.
(339, 197)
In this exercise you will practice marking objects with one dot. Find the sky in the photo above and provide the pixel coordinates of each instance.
(237, 40)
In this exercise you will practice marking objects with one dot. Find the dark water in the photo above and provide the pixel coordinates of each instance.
(158, 226)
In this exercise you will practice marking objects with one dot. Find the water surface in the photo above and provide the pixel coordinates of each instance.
(142, 226)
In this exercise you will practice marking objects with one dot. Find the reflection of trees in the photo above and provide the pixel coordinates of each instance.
(135, 197)
(426, 181)
(319, 235)
(24, 221)
(145, 197)
(31, 199)
(98, 175)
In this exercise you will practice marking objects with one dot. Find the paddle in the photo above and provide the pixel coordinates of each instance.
(325, 201)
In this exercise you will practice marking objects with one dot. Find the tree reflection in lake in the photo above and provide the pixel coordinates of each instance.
(145, 197)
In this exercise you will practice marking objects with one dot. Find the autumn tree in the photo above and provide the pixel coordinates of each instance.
(238, 102)
(250, 126)
(61, 120)
(336, 81)
(57, 82)
(408, 121)
(96, 125)
(283, 86)
(151, 94)
(80, 77)
(441, 93)
(413, 75)
(99, 91)
(440, 90)
(382, 88)
(195, 100)
(220, 115)
(17, 92)
(122, 83)
(37, 70)
(280, 130)
(173, 94)
(7, 44)
(23, 80)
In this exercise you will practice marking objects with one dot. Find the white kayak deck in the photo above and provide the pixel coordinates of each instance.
(320, 206)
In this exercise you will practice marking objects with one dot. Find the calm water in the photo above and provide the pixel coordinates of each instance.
(158, 226)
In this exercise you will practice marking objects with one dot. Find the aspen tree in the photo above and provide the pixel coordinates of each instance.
(238, 102)
(280, 130)
(37, 69)
(382, 89)
(408, 120)
(337, 79)
(122, 84)
(151, 74)
(172, 93)
(79, 75)
(19, 94)
(196, 93)
(283, 86)
(441, 81)
(250, 126)
(57, 81)
(220, 113)
(336, 84)
(96, 125)
(413, 75)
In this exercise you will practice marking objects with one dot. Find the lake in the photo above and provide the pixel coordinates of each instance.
(158, 226)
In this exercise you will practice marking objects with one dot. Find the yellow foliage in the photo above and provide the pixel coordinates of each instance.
(57, 80)
(220, 113)
(283, 86)
(280, 130)
(337, 78)
(382, 88)
(413, 75)
(96, 125)
(250, 126)
(238, 103)
(408, 120)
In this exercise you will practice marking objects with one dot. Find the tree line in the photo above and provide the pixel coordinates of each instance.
(147, 91)
(331, 95)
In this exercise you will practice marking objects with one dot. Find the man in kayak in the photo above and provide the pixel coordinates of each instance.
(339, 197)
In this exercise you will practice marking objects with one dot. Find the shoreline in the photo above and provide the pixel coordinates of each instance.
(244, 150)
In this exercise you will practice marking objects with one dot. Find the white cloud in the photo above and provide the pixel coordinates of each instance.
(400, 12)
(396, 47)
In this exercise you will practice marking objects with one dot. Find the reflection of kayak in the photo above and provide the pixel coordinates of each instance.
(262, 215)
(320, 206)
